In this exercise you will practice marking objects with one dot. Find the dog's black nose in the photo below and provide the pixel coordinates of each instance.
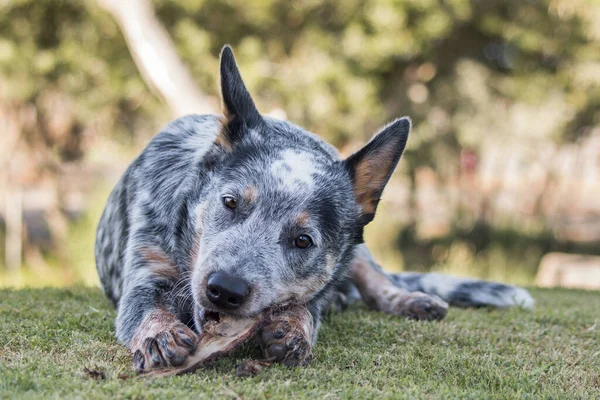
(226, 291)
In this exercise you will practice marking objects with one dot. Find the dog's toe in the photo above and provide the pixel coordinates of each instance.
(166, 349)
(425, 308)
(276, 351)
(287, 339)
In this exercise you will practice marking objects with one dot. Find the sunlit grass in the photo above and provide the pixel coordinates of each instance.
(72, 262)
(48, 336)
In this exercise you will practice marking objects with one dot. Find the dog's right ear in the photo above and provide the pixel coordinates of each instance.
(239, 109)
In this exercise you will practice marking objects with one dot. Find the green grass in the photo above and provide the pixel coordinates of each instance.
(47, 337)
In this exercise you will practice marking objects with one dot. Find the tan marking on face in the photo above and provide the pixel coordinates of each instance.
(159, 263)
(302, 219)
(302, 290)
(250, 193)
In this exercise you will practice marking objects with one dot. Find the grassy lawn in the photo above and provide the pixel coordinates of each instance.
(48, 336)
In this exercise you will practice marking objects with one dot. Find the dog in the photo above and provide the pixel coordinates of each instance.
(236, 213)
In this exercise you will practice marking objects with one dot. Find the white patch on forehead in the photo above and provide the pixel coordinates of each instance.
(295, 169)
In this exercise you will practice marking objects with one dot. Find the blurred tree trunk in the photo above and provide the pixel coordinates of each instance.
(13, 214)
(156, 57)
(11, 127)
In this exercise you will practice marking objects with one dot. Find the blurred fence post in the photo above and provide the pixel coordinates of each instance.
(156, 57)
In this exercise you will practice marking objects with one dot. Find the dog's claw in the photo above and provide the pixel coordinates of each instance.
(287, 338)
(165, 349)
(277, 351)
(425, 308)
(138, 360)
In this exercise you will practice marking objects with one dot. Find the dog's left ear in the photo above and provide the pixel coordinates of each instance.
(238, 106)
(370, 168)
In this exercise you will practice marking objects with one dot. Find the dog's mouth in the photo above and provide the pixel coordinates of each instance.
(209, 316)
(211, 313)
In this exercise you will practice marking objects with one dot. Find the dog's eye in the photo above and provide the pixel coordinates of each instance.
(229, 202)
(303, 242)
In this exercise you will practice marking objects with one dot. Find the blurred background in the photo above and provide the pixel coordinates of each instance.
(501, 173)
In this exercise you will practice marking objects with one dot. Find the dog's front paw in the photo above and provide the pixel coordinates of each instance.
(287, 338)
(423, 307)
(163, 346)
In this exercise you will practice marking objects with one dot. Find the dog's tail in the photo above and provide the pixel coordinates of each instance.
(463, 292)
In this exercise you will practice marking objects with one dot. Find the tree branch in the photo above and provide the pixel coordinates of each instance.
(156, 57)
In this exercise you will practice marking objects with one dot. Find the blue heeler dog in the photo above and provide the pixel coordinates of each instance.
(239, 212)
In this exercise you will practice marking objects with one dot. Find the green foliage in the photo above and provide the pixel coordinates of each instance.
(471, 74)
(49, 336)
(73, 49)
(339, 68)
(342, 68)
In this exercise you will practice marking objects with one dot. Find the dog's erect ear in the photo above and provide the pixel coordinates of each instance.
(371, 167)
(237, 103)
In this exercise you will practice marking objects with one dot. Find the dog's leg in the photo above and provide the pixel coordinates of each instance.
(146, 322)
(289, 336)
(379, 292)
(161, 341)
(345, 295)
(464, 292)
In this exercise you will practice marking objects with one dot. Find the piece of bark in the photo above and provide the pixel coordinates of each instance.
(250, 368)
(218, 339)
(95, 374)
